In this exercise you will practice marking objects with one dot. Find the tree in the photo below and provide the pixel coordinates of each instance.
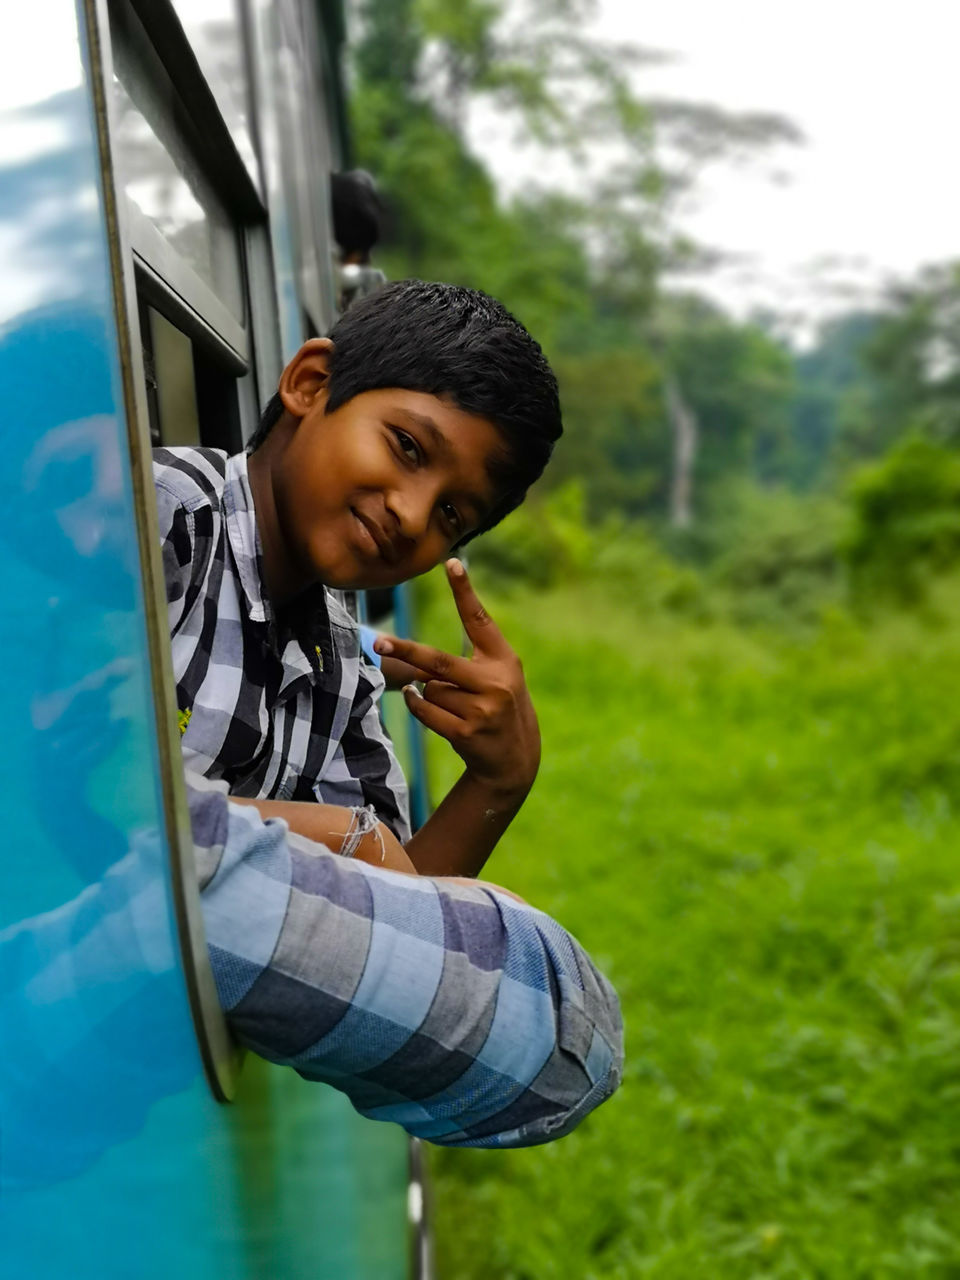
(583, 270)
(727, 391)
(914, 355)
(907, 519)
(420, 63)
(836, 395)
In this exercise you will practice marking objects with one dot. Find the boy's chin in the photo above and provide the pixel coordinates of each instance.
(360, 581)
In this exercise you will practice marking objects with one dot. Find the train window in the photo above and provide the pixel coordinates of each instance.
(168, 365)
(191, 398)
(191, 225)
(215, 30)
(180, 226)
(305, 158)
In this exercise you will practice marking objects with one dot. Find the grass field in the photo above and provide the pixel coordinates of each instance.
(757, 838)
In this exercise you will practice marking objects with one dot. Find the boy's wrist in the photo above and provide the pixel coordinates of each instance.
(503, 794)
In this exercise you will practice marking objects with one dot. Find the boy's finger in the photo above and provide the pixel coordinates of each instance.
(483, 632)
(435, 718)
(432, 664)
(457, 701)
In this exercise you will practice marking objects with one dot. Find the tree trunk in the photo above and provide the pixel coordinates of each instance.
(683, 426)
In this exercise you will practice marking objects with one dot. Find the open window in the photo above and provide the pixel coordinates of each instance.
(188, 205)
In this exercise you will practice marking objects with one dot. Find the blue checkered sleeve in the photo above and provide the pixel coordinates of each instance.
(464, 1016)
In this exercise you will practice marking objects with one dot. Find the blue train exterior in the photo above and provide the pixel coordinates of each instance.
(164, 244)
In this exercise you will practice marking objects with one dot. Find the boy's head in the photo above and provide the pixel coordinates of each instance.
(412, 353)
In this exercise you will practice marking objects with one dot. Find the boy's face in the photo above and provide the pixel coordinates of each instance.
(381, 489)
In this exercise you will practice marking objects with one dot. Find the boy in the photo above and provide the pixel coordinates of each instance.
(418, 424)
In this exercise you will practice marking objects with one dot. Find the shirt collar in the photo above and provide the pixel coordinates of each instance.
(309, 620)
(244, 537)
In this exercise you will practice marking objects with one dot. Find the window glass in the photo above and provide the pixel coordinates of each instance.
(163, 180)
(305, 160)
(215, 31)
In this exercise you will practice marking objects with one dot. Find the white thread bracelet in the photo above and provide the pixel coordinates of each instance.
(363, 821)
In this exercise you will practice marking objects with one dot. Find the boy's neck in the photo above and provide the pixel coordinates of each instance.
(280, 579)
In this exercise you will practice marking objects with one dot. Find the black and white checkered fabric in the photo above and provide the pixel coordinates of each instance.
(279, 704)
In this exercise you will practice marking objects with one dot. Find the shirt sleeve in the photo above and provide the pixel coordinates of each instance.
(452, 1010)
(363, 768)
(368, 638)
(365, 761)
(178, 550)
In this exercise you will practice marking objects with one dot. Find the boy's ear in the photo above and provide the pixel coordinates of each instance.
(304, 381)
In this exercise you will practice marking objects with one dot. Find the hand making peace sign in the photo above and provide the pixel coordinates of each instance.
(480, 704)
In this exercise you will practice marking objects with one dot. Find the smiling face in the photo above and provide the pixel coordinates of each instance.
(378, 491)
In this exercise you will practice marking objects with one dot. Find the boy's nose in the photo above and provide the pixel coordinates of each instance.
(412, 511)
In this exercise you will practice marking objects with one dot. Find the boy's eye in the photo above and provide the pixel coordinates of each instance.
(408, 446)
(451, 517)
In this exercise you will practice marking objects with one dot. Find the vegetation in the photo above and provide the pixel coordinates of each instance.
(581, 271)
(755, 834)
(743, 646)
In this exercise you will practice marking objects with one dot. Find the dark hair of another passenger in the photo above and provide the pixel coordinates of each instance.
(459, 345)
(357, 212)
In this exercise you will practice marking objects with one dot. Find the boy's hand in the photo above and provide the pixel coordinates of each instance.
(479, 704)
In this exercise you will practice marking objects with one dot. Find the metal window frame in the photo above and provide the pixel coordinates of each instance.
(186, 300)
(195, 121)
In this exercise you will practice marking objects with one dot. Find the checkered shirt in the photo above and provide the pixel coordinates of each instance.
(466, 1017)
(279, 705)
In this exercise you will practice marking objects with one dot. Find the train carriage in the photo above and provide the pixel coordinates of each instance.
(165, 244)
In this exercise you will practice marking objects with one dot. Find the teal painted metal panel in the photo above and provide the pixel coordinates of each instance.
(115, 1161)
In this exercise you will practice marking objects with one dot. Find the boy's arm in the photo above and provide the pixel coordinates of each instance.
(481, 705)
(329, 825)
(451, 1009)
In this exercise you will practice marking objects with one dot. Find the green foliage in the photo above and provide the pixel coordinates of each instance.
(737, 380)
(915, 355)
(763, 556)
(631, 567)
(907, 519)
(876, 377)
(756, 838)
(581, 271)
(615, 436)
(776, 554)
(548, 541)
(544, 542)
(833, 405)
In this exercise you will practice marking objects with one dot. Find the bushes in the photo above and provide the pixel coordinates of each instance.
(545, 542)
(756, 836)
(548, 542)
(759, 555)
(906, 523)
(775, 554)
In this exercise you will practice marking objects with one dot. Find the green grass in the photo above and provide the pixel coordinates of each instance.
(756, 837)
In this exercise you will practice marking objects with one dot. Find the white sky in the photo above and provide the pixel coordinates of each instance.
(874, 86)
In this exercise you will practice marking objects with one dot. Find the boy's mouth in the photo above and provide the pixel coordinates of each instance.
(384, 545)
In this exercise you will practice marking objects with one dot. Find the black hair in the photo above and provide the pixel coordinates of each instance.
(457, 344)
(357, 211)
